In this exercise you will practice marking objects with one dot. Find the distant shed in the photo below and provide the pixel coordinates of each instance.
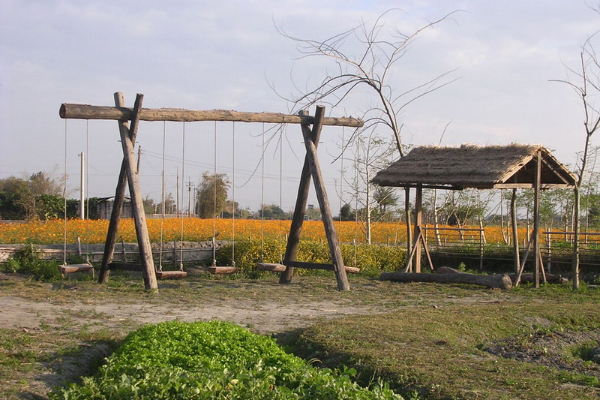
(515, 166)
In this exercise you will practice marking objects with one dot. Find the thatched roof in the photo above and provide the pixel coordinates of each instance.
(469, 166)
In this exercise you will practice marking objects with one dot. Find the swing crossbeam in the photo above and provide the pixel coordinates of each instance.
(85, 111)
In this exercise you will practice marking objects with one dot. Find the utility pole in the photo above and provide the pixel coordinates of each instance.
(189, 185)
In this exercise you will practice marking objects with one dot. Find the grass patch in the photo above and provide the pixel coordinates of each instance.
(439, 352)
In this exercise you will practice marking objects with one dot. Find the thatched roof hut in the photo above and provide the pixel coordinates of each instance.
(482, 167)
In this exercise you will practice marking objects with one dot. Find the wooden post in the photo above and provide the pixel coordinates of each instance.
(291, 250)
(418, 223)
(137, 204)
(119, 200)
(515, 231)
(536, 217)
(326, 216)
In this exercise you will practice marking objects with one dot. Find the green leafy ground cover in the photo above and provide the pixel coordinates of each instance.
(212, 360)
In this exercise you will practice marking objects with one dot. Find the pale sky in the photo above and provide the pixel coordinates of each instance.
(226, 55)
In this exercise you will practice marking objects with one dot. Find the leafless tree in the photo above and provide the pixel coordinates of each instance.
(380, 46)
(585, 82)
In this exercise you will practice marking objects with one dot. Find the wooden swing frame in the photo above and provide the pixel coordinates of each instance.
(128, 177)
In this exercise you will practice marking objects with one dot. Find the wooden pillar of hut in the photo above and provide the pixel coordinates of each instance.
(536, 217)
(418, 233)
(515, 230)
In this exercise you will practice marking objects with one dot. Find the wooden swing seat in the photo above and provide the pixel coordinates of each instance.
(72, 268)
(273, 267)
(222, 270)
(171, 274)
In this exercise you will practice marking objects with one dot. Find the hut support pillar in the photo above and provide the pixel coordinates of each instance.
(418, 231)
(536, 218)
(515, 230)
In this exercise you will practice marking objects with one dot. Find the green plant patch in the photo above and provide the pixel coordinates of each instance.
(214, 360)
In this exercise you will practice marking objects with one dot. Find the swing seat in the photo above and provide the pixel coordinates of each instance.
(273, 267)
(72, 268)
(171, 274)
(222, 270)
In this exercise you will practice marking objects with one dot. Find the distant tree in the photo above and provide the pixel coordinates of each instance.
(170, 207)
(272, 211)
(34, 198)
(150, 207)
(346, 213)
(211, 196)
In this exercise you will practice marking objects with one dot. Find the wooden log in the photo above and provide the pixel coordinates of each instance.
(326, 267)
(72, 268)
(321, 192)
(137, 204)
(491, 281)
(125, 267)
(85, 111)
(550, 278)
(119, 200)
(171, 274)
(224, 270)
(291, 249)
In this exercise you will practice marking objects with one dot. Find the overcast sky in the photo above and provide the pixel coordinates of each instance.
(228, 55)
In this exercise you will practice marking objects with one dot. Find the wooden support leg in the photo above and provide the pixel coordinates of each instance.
(115, 216)
(315, 168)
(139, 216)
(291, 250)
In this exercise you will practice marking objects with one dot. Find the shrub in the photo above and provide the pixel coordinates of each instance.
(370, 258)
(212, 360)
(28, 260)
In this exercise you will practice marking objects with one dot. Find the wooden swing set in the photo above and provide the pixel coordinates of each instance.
(128, 177)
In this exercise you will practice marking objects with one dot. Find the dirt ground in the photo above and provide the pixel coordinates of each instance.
(264, 307)
(51, 310)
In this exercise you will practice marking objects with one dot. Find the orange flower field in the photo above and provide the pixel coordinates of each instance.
(195, 229)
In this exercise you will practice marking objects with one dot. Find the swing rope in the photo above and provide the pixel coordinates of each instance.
(262, 198)
(232, 195)
(280, 196)
(65, 200)
(87, 194)
(162, 206)
(182, 196)
(214, 264)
